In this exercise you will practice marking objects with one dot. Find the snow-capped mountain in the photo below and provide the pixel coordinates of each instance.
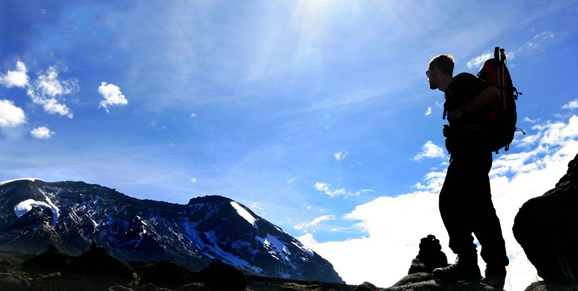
(68, 215)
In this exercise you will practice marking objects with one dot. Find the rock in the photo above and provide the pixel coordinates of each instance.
(366, 286)
(169, 275)
(543, 286)
(193, 287)
(118, 288)
(46, 282)
(147, 287)
(6, 263)
(547, 229)
(13, 282)
(430, 256)
(97, 269)
(426, 282)
(219, 275)
(51, 261)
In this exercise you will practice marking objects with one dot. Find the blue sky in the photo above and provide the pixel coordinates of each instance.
(306, 111)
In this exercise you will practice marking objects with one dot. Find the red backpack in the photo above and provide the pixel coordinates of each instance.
(501, 118)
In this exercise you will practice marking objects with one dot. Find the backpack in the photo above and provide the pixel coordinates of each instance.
(501, 118)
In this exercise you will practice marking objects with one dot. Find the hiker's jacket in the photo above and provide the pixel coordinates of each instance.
(466, 133)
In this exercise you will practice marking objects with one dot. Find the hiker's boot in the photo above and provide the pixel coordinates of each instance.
(466, 268)
(495, 277)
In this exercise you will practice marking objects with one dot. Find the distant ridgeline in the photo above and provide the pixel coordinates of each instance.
(69, 215)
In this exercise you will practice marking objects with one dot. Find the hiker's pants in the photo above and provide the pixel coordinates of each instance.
(466, 207)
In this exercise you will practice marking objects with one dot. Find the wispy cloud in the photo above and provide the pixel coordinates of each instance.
(49, 91)
(430, 150)
(11, 115)
(340, 156)
(571, 105)
(42, 132)
(112, 96)
(428, 111)
(324, 188)
(314, 222)
(476, 62)
(18, 78)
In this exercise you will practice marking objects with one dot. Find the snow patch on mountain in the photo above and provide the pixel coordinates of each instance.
(27, 205)
(275, 247)
(244, 213)
(227, 257)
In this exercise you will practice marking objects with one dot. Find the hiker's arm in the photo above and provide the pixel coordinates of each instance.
(483, 99)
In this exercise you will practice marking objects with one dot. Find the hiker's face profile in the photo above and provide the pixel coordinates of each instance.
(430, 73)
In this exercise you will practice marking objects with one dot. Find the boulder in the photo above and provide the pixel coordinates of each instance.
(222, 276)
(167, 274)
(430, 256)
(547, 229)
(51, 261)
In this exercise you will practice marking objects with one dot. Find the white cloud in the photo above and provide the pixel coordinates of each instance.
(314, 222)
(18, 78)
(11, 115)
(193, 180)
(48, 91)
(430, 150)
(193, 115)
(571, 105)
(112, 96)
(428, 111)
(340, 156)
(396, 224)
(42, 132)
(324, 187)
(479, 60)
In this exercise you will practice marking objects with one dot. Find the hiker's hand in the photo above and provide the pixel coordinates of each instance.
(446, 130)
(455, 114)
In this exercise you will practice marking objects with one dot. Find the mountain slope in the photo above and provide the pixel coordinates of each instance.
(68, 215)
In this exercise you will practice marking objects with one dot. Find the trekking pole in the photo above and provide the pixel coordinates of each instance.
(503, 78)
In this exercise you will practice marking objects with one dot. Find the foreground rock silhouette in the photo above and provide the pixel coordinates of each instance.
(547, 228)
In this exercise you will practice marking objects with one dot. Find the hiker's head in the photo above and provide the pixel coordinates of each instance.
(440, 71)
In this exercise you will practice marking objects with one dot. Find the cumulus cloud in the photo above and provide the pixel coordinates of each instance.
(49, 92)
(340, 156)
(314, 222)
(11, 115)
(571, 105)
(395, 224)
(18, 78)
(430, 150)
(112, 96)
(428, 111)
(42, 132)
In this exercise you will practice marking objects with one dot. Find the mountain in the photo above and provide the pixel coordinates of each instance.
(69, 215)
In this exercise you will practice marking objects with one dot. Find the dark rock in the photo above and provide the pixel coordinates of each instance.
(118, 288)
(193, 287)
(430, 256)
(219, 275)
(147, 287)
(97, 269)
(544, 286)
(6, 263)
(169, 275)
(46, 282)
(366, 286)
(13, 282)
(425, 282)
(547, 229)
(51, 261)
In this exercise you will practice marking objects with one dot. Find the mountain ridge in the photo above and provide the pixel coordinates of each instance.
(69, 215)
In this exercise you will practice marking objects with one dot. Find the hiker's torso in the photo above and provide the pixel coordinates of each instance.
(466, 133)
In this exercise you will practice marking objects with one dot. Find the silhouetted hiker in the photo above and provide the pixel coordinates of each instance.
(465, 200)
